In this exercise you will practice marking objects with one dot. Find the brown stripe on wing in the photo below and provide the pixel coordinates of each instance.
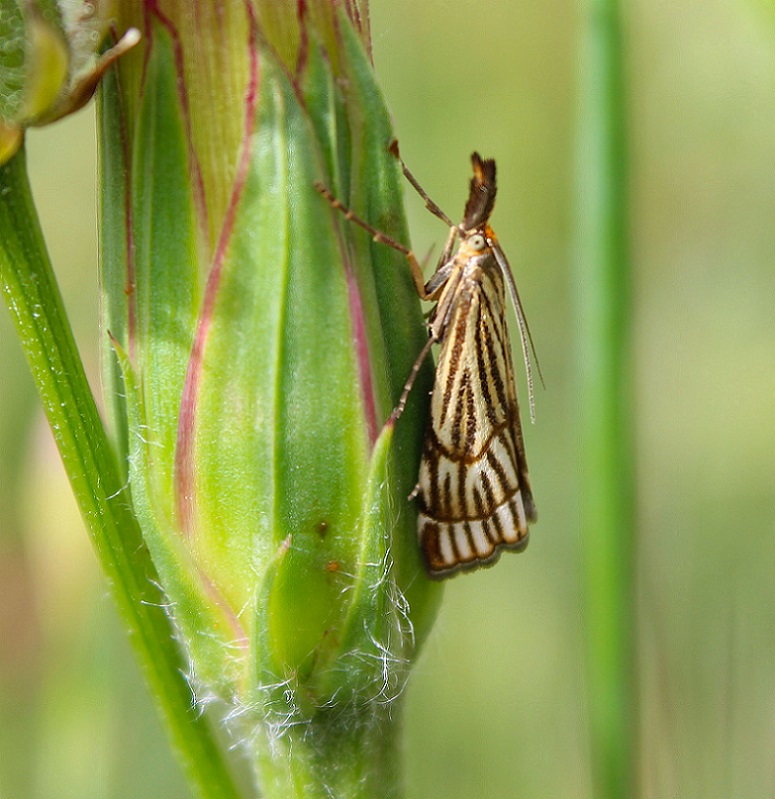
(448, 369)
(491, 383)
(493, 349)
(472, 394)
(486, 505)
(498, 374)
(472, 543)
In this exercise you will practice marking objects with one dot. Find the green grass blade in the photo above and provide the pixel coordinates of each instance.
(606, 417)
(30, 291)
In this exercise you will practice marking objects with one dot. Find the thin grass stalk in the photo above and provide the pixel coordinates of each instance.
(606, 422)
(30, 291)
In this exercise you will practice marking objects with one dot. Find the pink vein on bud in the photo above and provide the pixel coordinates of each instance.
(184, 466)
(196, 178)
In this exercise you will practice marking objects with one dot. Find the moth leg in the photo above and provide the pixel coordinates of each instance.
(399, 409)
(382, 238)
(436, 334)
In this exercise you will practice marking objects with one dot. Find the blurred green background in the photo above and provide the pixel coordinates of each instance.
(495, 708)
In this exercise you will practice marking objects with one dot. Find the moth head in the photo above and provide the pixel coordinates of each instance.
(474, 243)
(477, 242)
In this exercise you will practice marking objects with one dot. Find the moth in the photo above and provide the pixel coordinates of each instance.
(473, 492)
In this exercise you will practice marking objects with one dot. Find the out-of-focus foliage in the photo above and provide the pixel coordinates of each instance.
(50, 62)
(495, 705)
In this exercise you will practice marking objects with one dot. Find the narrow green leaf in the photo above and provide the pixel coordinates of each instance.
(195, 604)
(377, 628)
(32, 296)
(607, 462)
(115, 269)
(165, 295)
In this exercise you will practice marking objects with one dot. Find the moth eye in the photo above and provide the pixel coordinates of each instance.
(477, 242)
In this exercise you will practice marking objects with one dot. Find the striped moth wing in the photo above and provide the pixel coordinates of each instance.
(473, 493)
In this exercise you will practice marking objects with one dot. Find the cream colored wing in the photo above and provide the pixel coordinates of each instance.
(473, 494)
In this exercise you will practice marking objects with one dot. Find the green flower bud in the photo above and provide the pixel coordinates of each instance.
(49, 62)
(258, 344)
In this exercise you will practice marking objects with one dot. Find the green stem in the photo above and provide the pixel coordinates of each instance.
(32, 296)
(349, 754)
(606, 412)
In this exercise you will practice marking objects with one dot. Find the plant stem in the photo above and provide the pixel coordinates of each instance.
(606, 411)
(31, 293)
(346, 753)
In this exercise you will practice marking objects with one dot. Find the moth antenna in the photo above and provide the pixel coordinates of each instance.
(429, 204)
(525, 335)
